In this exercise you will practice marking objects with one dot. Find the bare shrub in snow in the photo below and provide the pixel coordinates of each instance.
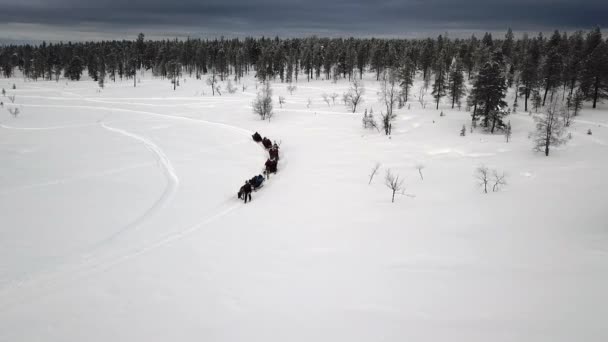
(483, 177)
(463, 131)
(212, 82)
(291, 88)
(369, 121)
(14, 111)
(262, 105)
(419, 167)
(508, 131)
(308, 102)
(373, 173)
(421, 98)
(12, 98)
(325, 98)
(393, 182)
(281, 101)
(354, 96)
(499, 179)
(334, 96)
(566, 116)
(387, 122)
(389, 93)
(230, 88)
(3, 92)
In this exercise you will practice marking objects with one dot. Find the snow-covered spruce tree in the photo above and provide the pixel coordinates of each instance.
(354, 96)
(537, 100)
(575, 102)
(439, 84)
(262, 105)
(488, 93)
(406, 79)
(551, 69)
(549, 129)
(174, 71)
(74, 69)
(594, 79)
(456, 82)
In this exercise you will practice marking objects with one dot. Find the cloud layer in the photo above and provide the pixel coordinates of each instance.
(104, 19)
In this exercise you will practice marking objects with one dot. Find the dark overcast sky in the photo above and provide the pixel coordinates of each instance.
(105, 19)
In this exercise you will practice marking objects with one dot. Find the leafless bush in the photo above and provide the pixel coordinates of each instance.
(230, 87)
(325, 98)
(373, 173)
(354, 96)
(11, 98)
(498, 179)
(262, 105)
(419, 167)
(14, 111)
(394, 183)
(334, 96)
(212, 82)
(369, 121)
(281, 101)
(291, 88)
(483, 177)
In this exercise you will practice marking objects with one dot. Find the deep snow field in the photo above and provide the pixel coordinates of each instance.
(119, 221)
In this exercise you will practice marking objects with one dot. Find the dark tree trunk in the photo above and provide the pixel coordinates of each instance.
(596, 91)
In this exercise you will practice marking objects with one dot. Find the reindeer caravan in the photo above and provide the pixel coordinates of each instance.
(256, 182)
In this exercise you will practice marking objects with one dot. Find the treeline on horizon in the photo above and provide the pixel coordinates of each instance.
(536, 65)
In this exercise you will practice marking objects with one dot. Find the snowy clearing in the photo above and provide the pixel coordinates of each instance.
(120, 221)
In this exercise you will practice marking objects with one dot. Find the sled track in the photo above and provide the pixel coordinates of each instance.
(38, 285)
(168, 170)
(179, 118)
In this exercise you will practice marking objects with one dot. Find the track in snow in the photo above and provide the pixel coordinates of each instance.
(168, 170)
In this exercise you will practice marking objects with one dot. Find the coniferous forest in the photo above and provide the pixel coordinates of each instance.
(572, 65)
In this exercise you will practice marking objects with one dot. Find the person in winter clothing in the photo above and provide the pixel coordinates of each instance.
(274, 152)
(271, 167)
(246, 191)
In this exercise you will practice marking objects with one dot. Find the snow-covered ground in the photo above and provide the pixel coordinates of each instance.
(119, 221)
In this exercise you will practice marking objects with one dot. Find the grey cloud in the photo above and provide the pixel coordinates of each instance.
(293, 18)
